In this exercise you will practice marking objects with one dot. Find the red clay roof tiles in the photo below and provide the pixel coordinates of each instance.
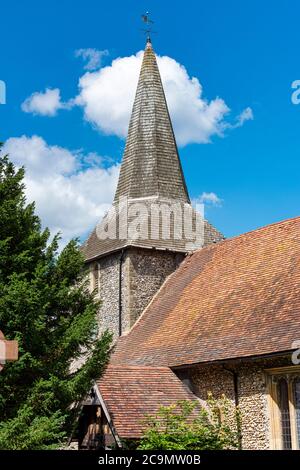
(131, 393)
(238, 298)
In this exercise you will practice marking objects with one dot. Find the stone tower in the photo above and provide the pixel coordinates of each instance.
(128, 265)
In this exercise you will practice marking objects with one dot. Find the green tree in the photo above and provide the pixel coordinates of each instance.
(189, 426)
(46, 306)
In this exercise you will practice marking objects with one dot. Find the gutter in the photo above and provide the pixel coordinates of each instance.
(235, 378)
(131, 245)
(233, 360)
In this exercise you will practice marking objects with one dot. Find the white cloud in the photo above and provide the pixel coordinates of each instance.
(208, 198)
(91, 57)
(107, 96)
(69, 197)
(244, 116)
(45, 103)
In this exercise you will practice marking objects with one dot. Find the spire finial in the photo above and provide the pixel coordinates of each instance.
(146, 19)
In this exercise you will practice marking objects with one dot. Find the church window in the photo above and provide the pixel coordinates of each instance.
(284, 399)
(95, 278)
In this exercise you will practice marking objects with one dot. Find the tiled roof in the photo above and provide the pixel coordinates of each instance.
(237, 298)
(131, 393)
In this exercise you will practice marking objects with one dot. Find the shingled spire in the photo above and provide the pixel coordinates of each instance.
(151, 173)
(151, 164)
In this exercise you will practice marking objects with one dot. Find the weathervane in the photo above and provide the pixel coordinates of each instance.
(146, 19)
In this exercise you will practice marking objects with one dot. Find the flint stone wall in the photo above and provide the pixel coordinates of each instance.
(252, 394)
(143, 273)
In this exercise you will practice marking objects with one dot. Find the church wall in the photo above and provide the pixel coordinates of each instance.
(108, 315)
(252, 393)
(147, 272)
(143, 272)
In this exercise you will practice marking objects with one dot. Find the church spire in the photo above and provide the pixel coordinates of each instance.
(151, 166)
(150, 174)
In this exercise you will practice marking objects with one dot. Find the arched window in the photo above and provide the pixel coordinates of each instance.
(95, 278)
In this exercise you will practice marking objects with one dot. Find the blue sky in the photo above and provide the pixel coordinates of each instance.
(246, 53)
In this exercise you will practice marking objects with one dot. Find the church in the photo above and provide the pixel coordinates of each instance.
(191, 312)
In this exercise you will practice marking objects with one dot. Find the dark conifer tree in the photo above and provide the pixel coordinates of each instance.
(46, 306)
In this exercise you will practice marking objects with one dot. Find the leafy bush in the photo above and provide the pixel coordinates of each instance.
(187, 425)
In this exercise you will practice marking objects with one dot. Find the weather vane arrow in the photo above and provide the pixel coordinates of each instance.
(147, 20)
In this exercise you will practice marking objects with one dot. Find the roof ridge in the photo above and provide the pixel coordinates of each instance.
(213, 246)
(260, 229)
(130, 366)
